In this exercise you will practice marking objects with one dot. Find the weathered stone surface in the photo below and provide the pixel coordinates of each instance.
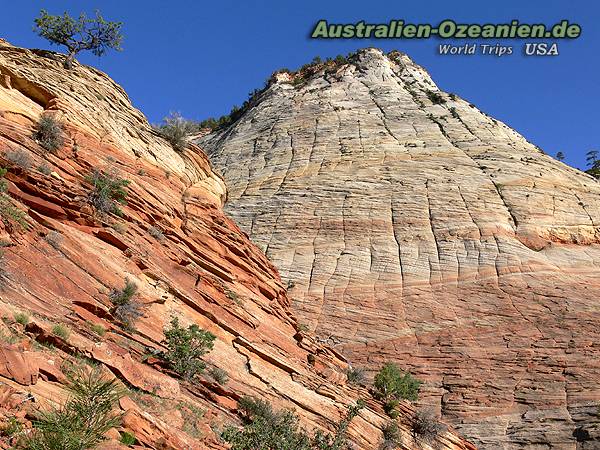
(204, 270)
(424, 231)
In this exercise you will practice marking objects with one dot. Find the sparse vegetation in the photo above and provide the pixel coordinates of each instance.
(156, 233)
(560, 156)
(268, 429)
(298, 78)
(392, 385)
(128, 438)
(185, 348)
(49, 133)
(108, 191)
(391, 436)
(426, 427)
(93, 34)
(593, 163)
(119, 227)
(19, 158)
(454, 113)
(303, 327)
(8, 212)
(126, 308)
(191, 418)
(356, 375)
(80, 423)
(98, 329)
(3, 272)
(219, 375)
(61, 331)
(22, 318)
(12, 428)
(435, 97)
(44, 169)
(176, 130)
(232, 296)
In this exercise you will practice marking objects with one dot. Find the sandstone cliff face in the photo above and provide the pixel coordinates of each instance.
(413, 227)
(63, 266)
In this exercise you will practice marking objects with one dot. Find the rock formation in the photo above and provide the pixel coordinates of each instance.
(412, 227)
(173, 241)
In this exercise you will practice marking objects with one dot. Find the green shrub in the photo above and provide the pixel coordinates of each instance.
(268, 429)
(62, 331)
(435, 97)
(219, 375)
(391, 385)
(108, 191)
(426, 427)
(124, 295)
(176, 130)
(185, 348)
(126, 309)
(13, 428)
(22, 318)
(356, 375)
(98, 329)
(128, 438)
(49, 133)
(80, 423)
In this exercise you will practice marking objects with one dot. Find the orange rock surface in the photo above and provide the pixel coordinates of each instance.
(61, 268)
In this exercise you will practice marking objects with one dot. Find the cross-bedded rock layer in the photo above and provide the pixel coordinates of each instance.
(174, 242)
(413, 227)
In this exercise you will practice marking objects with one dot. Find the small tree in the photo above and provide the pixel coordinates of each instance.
(560, 156)
(391, 385)
(186, 348)
(83, 420)
(94, 34)
(591, 157)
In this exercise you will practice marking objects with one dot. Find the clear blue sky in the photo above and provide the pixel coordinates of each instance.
(200, 58)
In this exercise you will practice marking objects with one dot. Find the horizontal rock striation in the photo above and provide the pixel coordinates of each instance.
(174, 242)
(413, 227)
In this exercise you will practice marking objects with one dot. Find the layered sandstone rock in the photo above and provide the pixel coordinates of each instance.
(203, 269)
(413, 227)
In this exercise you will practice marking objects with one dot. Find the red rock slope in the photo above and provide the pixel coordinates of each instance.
(61, 269)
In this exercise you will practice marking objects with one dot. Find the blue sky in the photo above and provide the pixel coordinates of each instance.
(200, 58)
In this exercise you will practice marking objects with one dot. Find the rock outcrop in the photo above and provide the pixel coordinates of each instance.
(61, 260)
(412, 227)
